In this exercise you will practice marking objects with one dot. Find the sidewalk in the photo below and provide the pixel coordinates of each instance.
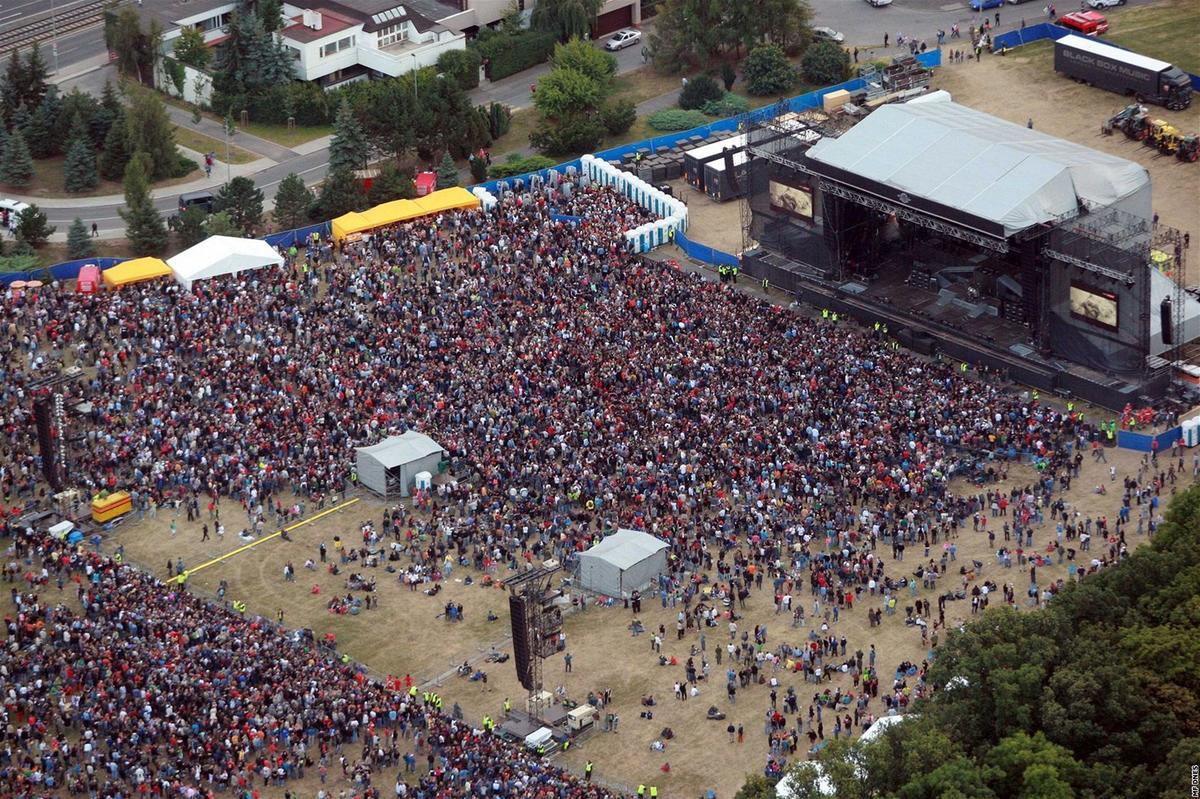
(216, 130)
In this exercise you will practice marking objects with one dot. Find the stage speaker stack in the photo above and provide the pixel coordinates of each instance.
(1167, 318)
(523, 635)
(45, 434)
(549, 625)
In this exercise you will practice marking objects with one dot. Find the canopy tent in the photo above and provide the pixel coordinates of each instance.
(627, 560)
(135, 271)
(1007, 176)
(390, 467)
(402, 211)
(221, 255)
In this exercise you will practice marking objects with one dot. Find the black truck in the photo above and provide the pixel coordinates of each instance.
(1123, 71)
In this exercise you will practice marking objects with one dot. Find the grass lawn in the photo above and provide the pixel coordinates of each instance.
(517, 138)
(644, 84)
(186, 137)
(48, 182)
(1169, 30)
(280, 134)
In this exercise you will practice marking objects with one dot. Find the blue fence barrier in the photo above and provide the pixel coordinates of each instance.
(704, 253)
(1048, 30)
(566, 218)
(1141, 442)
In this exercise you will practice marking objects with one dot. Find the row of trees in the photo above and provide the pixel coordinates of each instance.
(1093, 696)
(691, 34)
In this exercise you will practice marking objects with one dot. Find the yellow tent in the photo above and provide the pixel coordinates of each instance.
(135, 271)
(402, 211)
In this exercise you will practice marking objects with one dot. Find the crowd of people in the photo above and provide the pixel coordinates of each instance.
(577, 388)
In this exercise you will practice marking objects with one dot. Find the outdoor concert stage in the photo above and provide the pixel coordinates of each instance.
(983, 240)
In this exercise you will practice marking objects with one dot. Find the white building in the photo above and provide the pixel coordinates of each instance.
(335, 42)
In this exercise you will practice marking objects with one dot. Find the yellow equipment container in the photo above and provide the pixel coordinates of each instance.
(112, 506)
(835, 100)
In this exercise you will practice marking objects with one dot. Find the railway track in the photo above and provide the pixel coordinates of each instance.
(69, 20)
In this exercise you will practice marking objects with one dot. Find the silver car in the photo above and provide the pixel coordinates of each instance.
(828, 35)
(623, 39)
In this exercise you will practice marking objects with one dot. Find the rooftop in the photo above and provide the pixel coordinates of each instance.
(331, 22)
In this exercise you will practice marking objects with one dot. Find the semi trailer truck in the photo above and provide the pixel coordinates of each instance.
(1147, 79)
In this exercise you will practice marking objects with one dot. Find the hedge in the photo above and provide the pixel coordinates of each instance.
(309, 103)
(674, 119)
(510, 53)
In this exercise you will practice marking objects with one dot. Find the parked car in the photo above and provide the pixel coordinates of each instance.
(1105, 3)
(8, 212)
(879, 3)
(1089, 23)
(623, 39)
(192, 199)
(984, 5)
(829, 35)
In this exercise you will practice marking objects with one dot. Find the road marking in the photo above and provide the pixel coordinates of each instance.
(188, 572)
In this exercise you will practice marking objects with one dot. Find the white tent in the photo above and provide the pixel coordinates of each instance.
(221, 255)
(625, 561)
(391, 466)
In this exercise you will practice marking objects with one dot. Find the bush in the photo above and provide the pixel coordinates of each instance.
(576, 133)
(516, 165)
(307, 102)
(674, 119)
(767, 71)
(698, 91)
(825, 63)
(507, 54)
(462, 66)
(730, 105)
(618, 117)
(18, 263)
(728, 76)
(497, 118)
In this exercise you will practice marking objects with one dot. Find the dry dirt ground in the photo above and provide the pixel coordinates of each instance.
(407, 636)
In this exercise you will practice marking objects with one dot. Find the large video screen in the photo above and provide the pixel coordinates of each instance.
(792, 200)
(1094, 305)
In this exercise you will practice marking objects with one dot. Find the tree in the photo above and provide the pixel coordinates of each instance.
(388, 116)
(756, 786)
(767, 71)
(190, 226)
(563, 92)
(686, 33)
(576, 133)
(222, 224)
(728, 75)
(498, 118)
(39, 132)
(34, 78)
(566, 19)
(447, 172)
(251, 58)
(115, 153)
(136, 49)
(79, 169)
(618, 117)
(825, 63)
(271, 13)
(144, 225)
(461, 66)
(349, 149)
(79, 240)
(33, 228)
(242, 201)
(292, 202)
(12, 84)
(16, 164)
(478, 166)
(148, 130)
(698, 91)
(340, 194)
(191, 49)
(582, 57)
(391, 184)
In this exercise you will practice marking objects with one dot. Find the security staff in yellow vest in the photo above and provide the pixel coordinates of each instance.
(587, 771)
(653, 792)
(239, 606)
(412, 692)
(824, 313)
(488, 724)
(734, 270)
(641, 792)
(507, 706)
(962, 367)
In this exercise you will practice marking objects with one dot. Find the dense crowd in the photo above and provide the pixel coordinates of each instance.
(577, 387)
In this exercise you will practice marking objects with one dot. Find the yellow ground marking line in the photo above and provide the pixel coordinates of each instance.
(181, 579)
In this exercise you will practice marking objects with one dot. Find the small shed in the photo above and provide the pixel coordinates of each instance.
(627, 560)
(390, 467)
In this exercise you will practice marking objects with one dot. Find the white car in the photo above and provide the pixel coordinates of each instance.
(829, 35)
(9, 210)
(623, 39)
(879, 3)
(1105, 3)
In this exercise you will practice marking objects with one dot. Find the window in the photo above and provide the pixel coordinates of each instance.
(336, 47)
(212, 23)
(393, 34)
